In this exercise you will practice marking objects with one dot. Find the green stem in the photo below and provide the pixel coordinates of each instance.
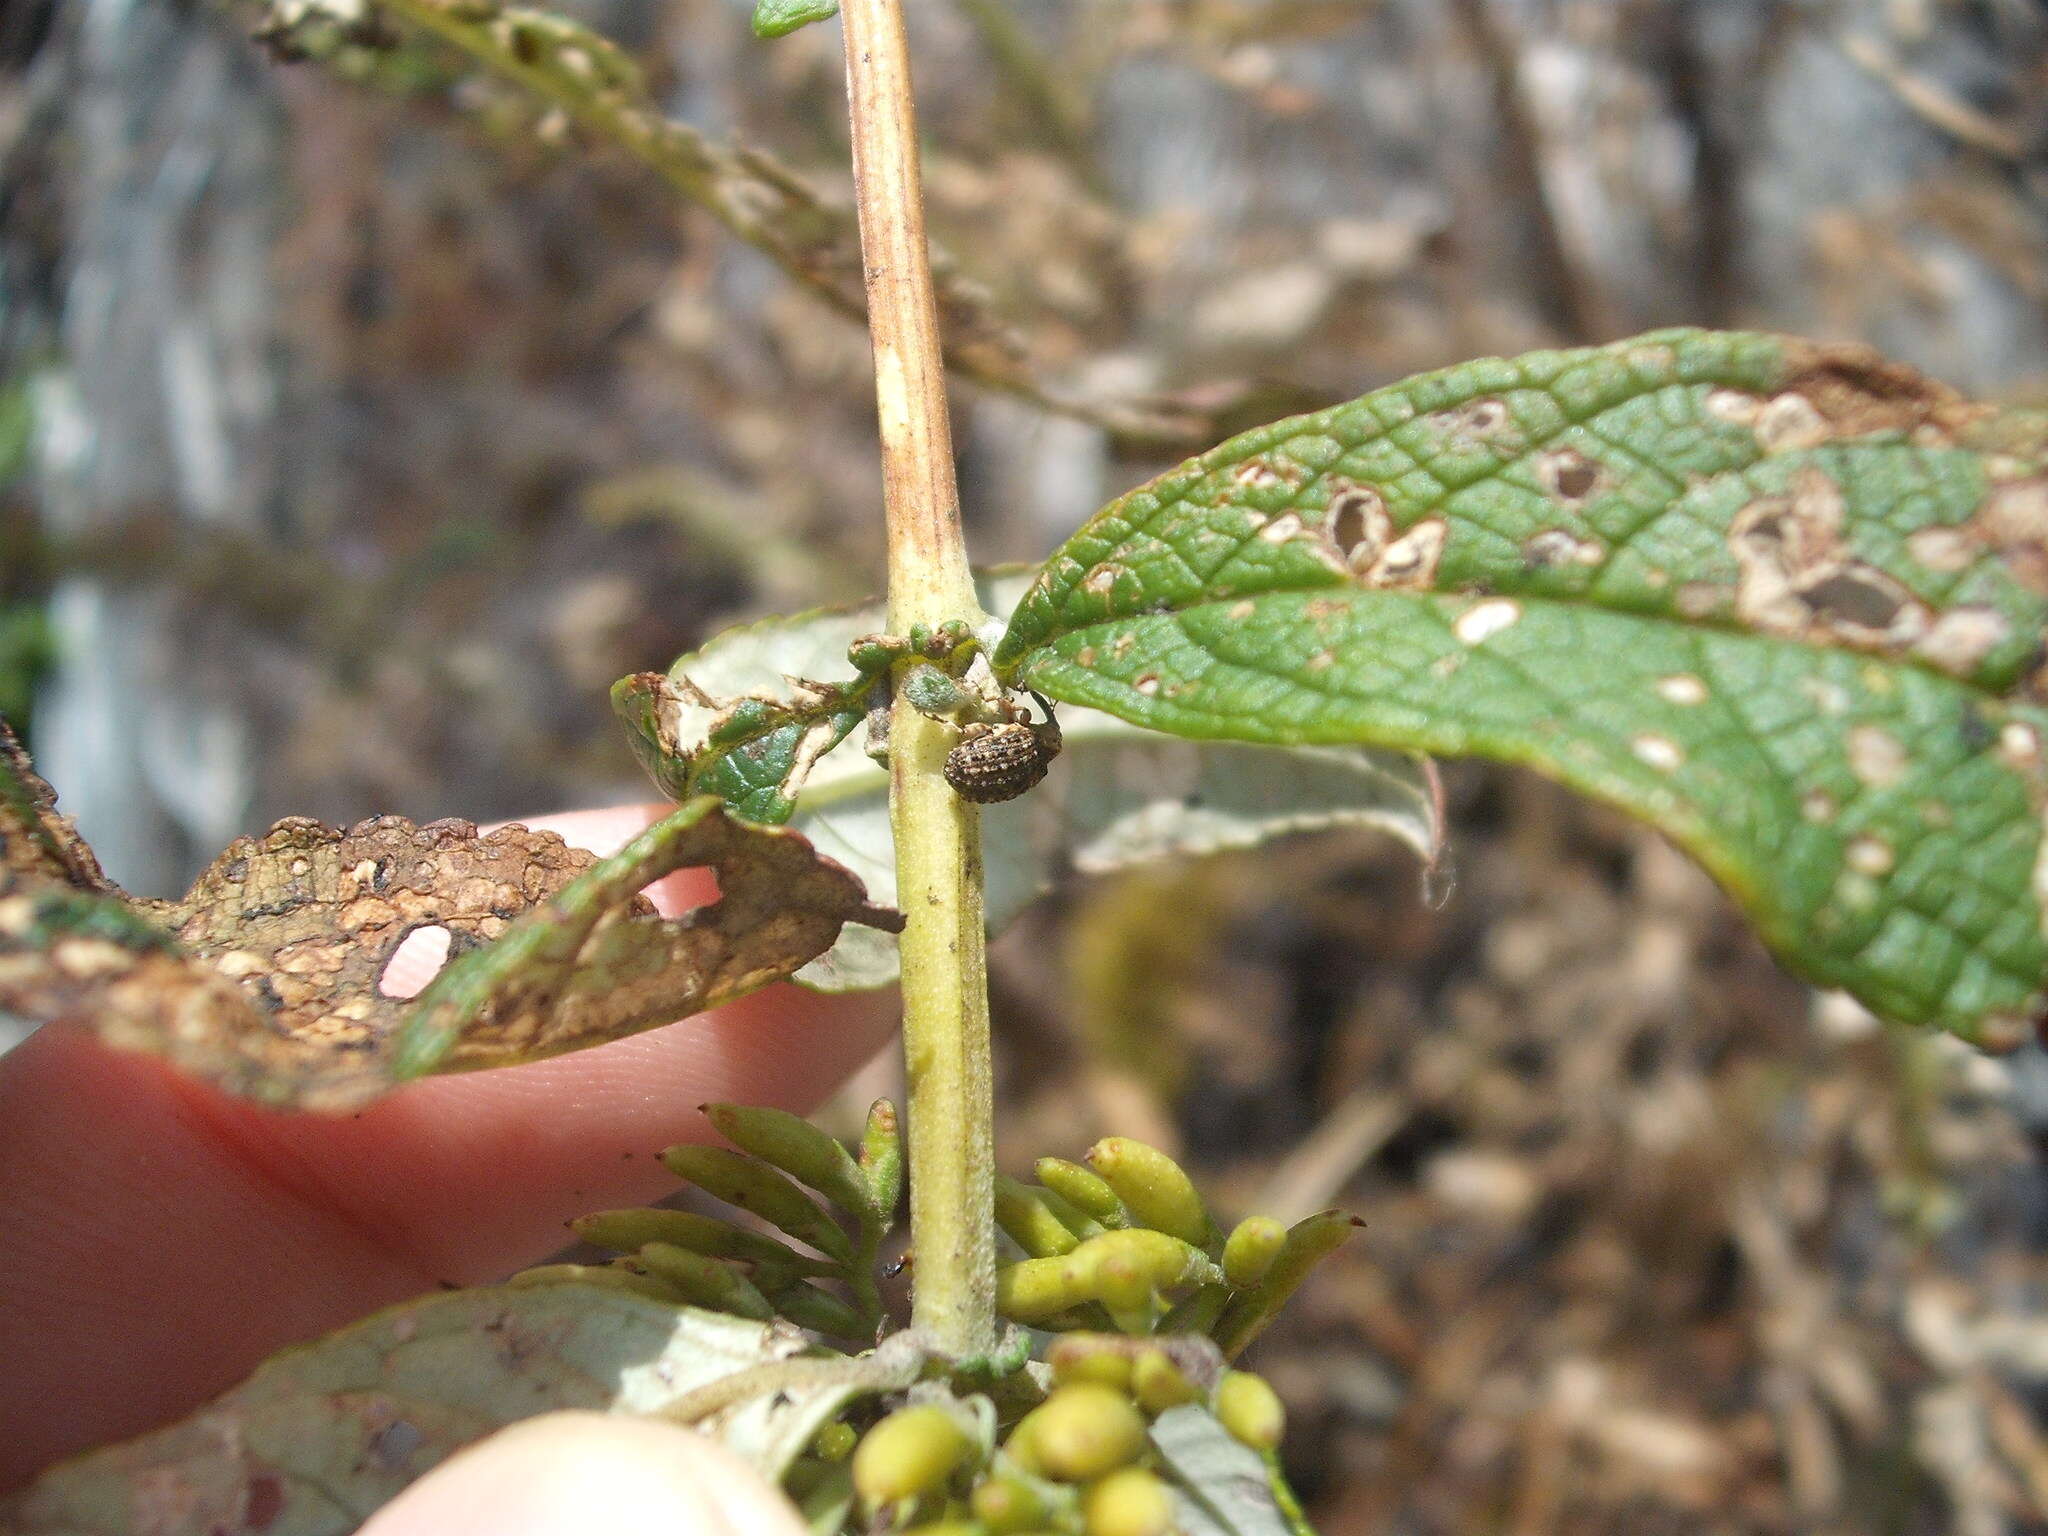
(950, 1136)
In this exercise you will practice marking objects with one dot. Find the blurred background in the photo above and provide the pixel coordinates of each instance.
(359, 426)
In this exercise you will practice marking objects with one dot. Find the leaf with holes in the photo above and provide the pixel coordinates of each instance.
(324, 1434)
(265, 978)
(1116, 796)
(1784, 602)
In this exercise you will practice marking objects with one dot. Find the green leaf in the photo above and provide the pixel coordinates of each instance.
(1784, 602)
(1116, 795)
(779, 18)
(322, 1435)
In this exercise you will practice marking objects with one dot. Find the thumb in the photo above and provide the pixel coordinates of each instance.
(567, 1474)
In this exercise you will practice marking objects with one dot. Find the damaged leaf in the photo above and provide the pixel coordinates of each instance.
(265, 980)
(1784, 602)
(36, 842)
(585, 971)
(324, 1434)
(741, 719)
(1116, 796)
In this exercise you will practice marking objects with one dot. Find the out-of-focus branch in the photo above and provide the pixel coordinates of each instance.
(602, 91)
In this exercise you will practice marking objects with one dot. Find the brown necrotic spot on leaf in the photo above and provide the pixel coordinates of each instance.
(1483, 423)
(1876, 756)
(1798, 581)
(1555, 547)
(1357, 524)
(1942, 548)
(1733, 406)
(2014, 521)
(1411, 560)
(1854, 391)
(1790, 422)
(1282, 529)
(1568, 476)
(1960, 639)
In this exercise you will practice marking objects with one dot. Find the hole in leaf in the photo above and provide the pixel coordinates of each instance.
(418, 958)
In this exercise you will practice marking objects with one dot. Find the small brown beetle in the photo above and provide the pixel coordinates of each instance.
(992, 763)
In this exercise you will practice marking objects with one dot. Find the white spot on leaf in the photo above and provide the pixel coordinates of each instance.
(1789, 422)
(1660, 752)
(1875, 756)
(1486, 620)
(1682, 688)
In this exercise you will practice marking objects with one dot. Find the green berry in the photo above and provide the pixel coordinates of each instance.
(1080, 1433)
(1159, 1384)
(1098, 1357)
(1249, 1253)
(1132, 1502)
(909, 1453)
(1250, 1410)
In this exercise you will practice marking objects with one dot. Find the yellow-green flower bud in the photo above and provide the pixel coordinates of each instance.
(1132, 1502)
(610, 1276)
(1309, 1241)
(629, 1231)
(1082, 1190)
(1081, 1432)
(1121, 1265)
(797, 1147)
(1253, 1245)
(1159, 1384)
(948, 1528)
(909, 1453)
(1250, 1410)
(1033, 1290)
(753, 1186)
(822, 1312)
(1005, 1503)
(706, 1282)
(881, 1156)
(1153, 1186)
(1098, 1357)
(835, 1442)
(1030, 1222)
(1143, 1256)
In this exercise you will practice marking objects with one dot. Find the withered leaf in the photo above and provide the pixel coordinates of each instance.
(35, 841)
(265, 979)
(583, 971)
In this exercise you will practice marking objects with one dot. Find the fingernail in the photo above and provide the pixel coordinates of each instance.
(567, 1474)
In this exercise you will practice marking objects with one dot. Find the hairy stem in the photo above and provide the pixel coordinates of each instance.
(938, 836)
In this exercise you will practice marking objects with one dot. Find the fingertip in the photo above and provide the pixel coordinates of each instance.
(566, 1474)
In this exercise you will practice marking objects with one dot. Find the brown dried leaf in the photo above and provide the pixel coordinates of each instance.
(35, 841)
(582, 973)
(264, 979)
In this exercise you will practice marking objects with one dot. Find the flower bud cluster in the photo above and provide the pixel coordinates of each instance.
(1082, 1462)
(702, 1261)
(1126, 1243)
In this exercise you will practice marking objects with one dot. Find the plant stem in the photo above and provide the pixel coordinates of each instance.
(950, 1137)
